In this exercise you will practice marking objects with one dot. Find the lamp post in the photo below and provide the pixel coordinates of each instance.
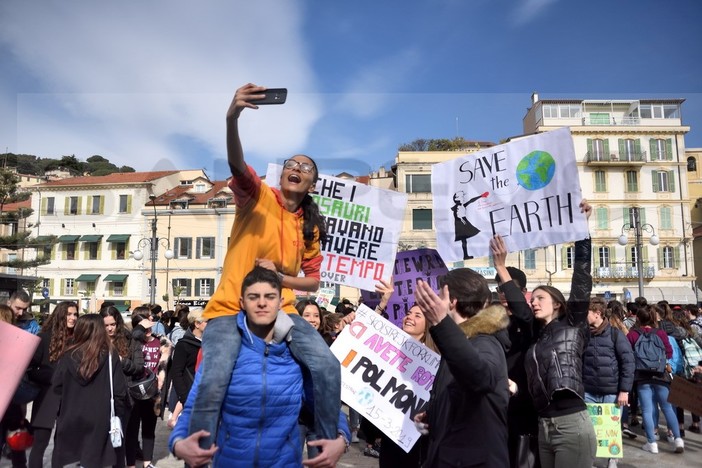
(638, 229)
(153, 243)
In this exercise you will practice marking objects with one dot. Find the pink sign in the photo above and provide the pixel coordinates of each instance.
(17, 348)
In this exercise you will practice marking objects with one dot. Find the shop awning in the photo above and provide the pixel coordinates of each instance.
(91, 238)
(116, 278)
(42, 239)
(122, 307)
(68, 239)
(118, 238)
(672, 294)
(88, 278)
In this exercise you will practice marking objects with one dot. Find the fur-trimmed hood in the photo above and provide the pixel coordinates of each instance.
(492, 320)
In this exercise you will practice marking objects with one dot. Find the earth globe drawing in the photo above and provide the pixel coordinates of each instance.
(536, 170)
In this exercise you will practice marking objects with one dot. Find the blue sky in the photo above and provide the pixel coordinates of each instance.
(147, 84)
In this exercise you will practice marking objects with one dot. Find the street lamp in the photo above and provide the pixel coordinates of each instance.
(638, 229)
(153, 243)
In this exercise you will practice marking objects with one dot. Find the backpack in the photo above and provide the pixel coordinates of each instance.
(692, 354)
(677, 362)
(649, 352)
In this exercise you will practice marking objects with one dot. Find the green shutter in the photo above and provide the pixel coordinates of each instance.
(660, 251)
(676, 257)
(129, 203)
(642, 215)
(564, 258)
(625, 215)
(654, 175)
(102, 204)
(124, 287)
(212, 286)
(67, 206)
(669, 149)
(78, 210)
(197, 287)
(637, 148)
(212, 247)
(589, 148)
(622, 148)
(44, 205)
(653, 149)
(90, 205)
(597, 257)
(644, 255)
(671, 181)
(198, 245)
(605, 145)
(189, 287)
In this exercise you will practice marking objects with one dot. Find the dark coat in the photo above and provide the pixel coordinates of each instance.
(133, 364)
(554, 363)
(183, 367)
(46, 405)
(84, 416)
(467, 412)
(608, 363)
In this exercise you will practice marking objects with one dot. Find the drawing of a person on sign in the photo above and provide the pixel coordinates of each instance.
(463, 228)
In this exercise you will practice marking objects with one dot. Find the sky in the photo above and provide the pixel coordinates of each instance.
(148, 83)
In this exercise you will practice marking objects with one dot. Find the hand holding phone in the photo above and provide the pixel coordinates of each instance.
(272, 96)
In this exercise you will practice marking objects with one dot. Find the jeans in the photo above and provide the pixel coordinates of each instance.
(649, 394)
(567, 440)
(600, 398)
(221, 343)
(354, 419)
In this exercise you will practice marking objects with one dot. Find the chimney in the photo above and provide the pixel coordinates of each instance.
(534, 97)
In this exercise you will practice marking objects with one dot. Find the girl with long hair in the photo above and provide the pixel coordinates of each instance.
(281, 230)
(82, 380)
(55, 337)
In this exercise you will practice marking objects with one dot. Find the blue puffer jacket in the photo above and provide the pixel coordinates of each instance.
(608, 363)
(260, 412)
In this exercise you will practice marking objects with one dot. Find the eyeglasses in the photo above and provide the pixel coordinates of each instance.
(304, 167)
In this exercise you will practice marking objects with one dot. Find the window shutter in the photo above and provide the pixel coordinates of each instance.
(129, 203)
(597, 257)
(653, 148)
(124, 287)
(113, 250)
(174, 284)
(102, 204)
(564, 258)
(622, 148)
(189, 241)
(637, 147)
(90, 205)
(67, 206)
(654, 175)
(669, 149)
(176, 247)
(63, 287)
(625, 215)
(642, 215)
(44, 205)
(99, 251)
(188, 287)
(197, 287)
(212, 286)
(661, 254)
(212, 248)
(51, 287)
(676, 257)
(198, 245)
(644, 255)
(78, 205)
(589, 147)
(671, 181)
(605, 145)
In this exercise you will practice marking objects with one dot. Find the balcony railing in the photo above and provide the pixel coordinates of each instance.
(623, 272)
(610, 120)
(615, 157)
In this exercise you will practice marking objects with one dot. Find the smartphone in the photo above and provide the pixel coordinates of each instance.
(273, 96)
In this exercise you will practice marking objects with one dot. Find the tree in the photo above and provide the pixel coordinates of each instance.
(440, 144)
(14, 221)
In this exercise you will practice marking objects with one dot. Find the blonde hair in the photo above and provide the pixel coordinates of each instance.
(6, 314)
(195, 315)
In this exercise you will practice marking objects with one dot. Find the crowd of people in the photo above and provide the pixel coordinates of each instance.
(251, 381)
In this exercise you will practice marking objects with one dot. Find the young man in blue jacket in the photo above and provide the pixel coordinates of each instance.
(266, 392)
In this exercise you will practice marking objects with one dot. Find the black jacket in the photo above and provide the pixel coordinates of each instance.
(183, 367)
(467, 412)
(608, 363)
(555, 361)
(46, 405)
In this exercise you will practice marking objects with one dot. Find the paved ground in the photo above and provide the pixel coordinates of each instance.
(633, 455)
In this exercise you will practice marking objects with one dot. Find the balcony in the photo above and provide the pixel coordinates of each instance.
(615, 158)
(607, 119)
(621, 272)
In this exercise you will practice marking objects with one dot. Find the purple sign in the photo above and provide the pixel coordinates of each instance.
(410, 265)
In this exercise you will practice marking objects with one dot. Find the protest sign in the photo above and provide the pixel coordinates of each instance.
(410, 265)
(606, 417)
(18, 347)
(686, 394)
(385, 374)
(363, 229)
(324, 297)
(527, 191)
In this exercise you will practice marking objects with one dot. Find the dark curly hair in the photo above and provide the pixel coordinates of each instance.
(57, 324)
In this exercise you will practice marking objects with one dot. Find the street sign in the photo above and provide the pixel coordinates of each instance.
(608, 295)
(45, 292)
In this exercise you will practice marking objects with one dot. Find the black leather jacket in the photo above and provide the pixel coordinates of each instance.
(555, 360)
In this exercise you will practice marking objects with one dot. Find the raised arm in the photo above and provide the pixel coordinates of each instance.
(516, 302)
(242, 98)
(581, 283)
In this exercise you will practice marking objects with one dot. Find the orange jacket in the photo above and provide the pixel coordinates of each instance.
(262, 228)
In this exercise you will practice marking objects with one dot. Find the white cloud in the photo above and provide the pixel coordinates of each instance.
(528, 10)
(123, 79)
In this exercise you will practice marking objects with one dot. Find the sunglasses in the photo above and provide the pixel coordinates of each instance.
(304, 167)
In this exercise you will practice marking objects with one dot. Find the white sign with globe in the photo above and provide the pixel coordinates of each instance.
(527, 191)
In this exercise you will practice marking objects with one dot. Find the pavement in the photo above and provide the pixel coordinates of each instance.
(633, 455)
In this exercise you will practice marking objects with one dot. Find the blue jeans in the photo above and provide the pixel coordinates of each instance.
(600, 398)
(567, 440)
(649, 395)
(221, 343)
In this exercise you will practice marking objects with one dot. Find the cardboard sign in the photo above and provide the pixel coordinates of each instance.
(324, 297)
(410, 265)
(385, 374)
(527, 191)
(17, 347)
(363, 229)
(606, 417)
(686, 394)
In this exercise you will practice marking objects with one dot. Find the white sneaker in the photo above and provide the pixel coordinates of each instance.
(679, 445)
(612, 463)
(670, 438)
(650, 447)
(354, 437)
